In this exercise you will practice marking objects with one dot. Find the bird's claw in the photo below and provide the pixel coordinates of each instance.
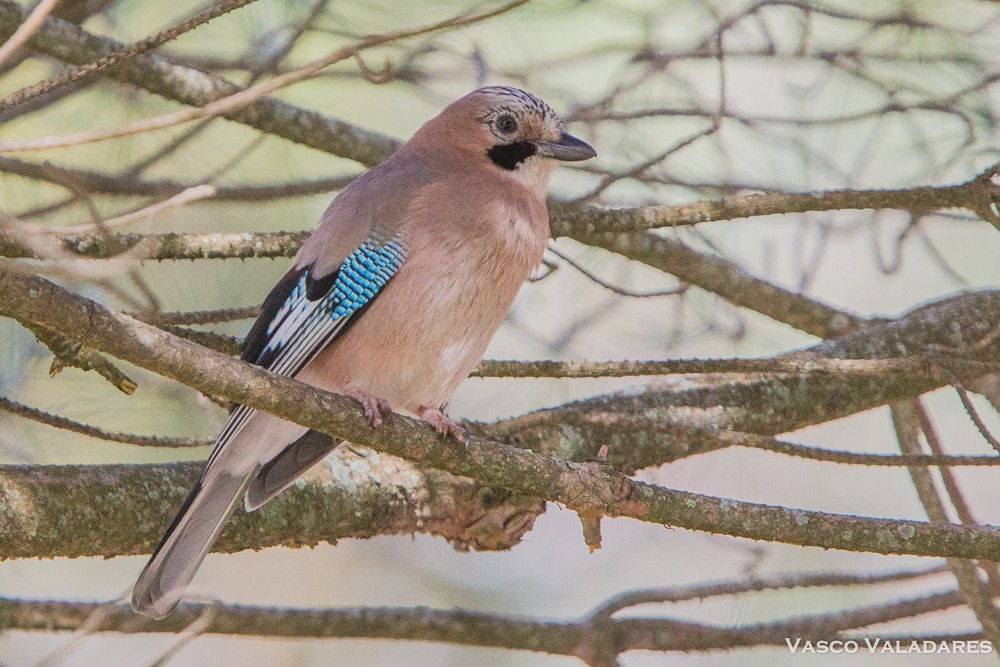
(375, 408)
(444, 424)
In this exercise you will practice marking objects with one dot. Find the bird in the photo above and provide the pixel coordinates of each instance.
(392, 301)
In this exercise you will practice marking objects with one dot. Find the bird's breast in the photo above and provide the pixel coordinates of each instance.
(431, 325)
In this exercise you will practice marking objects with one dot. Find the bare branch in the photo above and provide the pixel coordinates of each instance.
(587, 639)
(29, 93)
(59, 421)
(26, 29)
(187, 85)
(768, 405)
(573, 219)
(196, 193)
(977, 595)
(239, 245)
(725, 278)
(583, 487)
(714, 274)
(69, 352)
(546, 368)
(56, 507)
(230, 105)
(125, 185)
(199, 317)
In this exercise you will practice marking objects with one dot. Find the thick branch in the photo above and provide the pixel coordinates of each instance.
(764, 405)
(571, 219)
(588, 487)
(233, 245)
(111, 510)
(688, 416)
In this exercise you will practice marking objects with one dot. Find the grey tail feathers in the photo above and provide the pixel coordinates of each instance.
(194, 530)
(281, 472)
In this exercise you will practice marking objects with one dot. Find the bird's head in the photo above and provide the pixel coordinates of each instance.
(509, 130)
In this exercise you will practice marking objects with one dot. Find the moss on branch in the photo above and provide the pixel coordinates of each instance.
(593, 488)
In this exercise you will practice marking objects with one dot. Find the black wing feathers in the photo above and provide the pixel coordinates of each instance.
(256, 339)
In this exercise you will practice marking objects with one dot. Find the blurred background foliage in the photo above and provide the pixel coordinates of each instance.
(806, 96)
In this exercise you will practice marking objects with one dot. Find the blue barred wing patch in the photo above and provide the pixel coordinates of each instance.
(316, 311)
(308, 321)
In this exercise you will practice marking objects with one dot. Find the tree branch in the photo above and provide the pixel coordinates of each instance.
(728, 280)
(707, 407)
(711, 273)
(31, 92)
(976, 195)
(68, 352)
(114, 510)
(97, 182)
(593, 638)
(587, 225)
(230, 245)
(977, 594)
(59, 421)
(172, 80)
(591, 488)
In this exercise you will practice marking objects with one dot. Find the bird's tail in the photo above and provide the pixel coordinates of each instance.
(232, 467)
(188, 540)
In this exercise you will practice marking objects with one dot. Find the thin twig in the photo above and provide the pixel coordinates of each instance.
(199, 317)
(73, 74)
(755, 584)
(973, 412)
(26, 29)
(614, 288)
(189, 195)
(58, 421)
(244, 97)
(546, 368)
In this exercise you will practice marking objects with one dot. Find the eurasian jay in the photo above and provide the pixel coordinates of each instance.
(392, 300)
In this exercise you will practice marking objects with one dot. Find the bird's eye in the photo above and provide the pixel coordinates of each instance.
(506, 124)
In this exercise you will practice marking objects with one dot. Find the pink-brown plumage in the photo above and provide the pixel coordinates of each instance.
(473, 232)
(432, 323)
(459, 214)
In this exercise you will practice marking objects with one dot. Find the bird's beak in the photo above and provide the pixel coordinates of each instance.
(567, 149)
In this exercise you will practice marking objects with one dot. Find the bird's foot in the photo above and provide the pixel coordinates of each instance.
(444, 424)
(375, 408)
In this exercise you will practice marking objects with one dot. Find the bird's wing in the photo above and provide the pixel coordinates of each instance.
(344, 266)
(354, 252)
(314, 310)
(304, 312)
